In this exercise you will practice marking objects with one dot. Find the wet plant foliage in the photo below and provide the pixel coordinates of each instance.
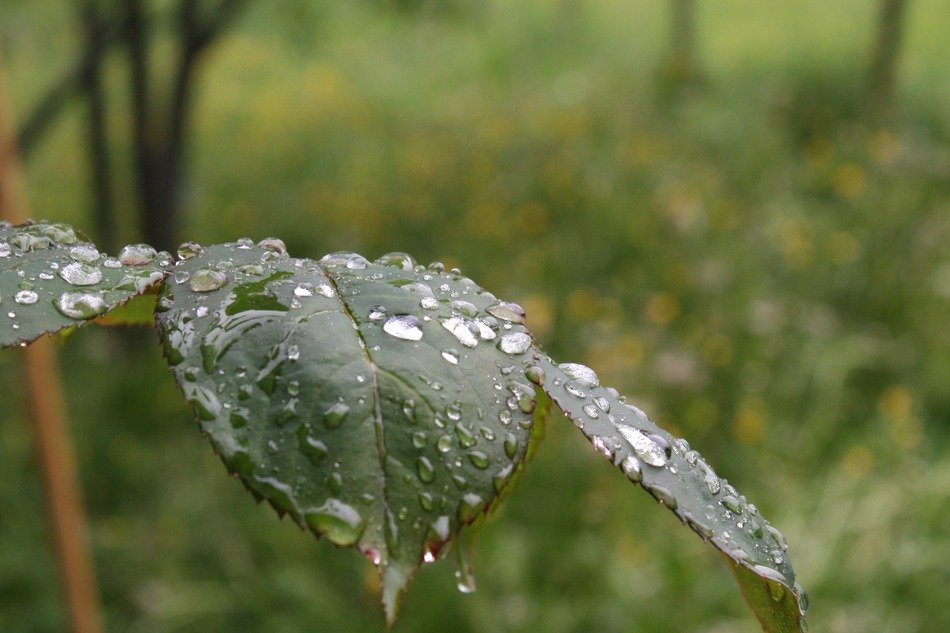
(382, 405)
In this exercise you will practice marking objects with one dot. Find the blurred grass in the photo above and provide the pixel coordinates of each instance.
(757, 267)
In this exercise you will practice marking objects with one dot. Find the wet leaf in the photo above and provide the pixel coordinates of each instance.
(679, 478)
(52, 277)
(379, 404)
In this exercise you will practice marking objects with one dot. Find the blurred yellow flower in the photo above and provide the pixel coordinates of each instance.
(662, 308)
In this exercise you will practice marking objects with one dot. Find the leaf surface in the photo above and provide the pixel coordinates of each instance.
(680, 479)
(381, 405)
(52, 277)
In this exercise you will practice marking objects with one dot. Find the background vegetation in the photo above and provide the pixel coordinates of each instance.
(755, 251)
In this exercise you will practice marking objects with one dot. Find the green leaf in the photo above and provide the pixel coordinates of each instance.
(381, 405)
(679, 478)
(52, 277)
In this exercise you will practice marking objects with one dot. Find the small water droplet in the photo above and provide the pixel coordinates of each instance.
(592, 411)
(515, 343)
(732, 504)
(419, 439)
(511, 445)
(478, 459)
(79, 274)
(429, 303)
(460, 329)
(293, 352)
(444, 443)
(377, 313)
(303, 290)
(189, 250)
(464, 308)
(451, 356)
(341, 523)
(274, 245)
(631, 468)
(326, 290)
(535, 374)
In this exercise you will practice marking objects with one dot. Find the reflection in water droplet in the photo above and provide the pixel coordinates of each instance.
(511, 445)
(401, 261)
(419, 439)
(644, 448)
(732, 504)
(79, 274)
(188, 250)
(631, 468)
(274, 245)
(464, 308)
(403, 326)
(444, 443)
(535, 374)
(591, 410)
(206, 280)
(80, 305)
(514, 343)
(377, 313)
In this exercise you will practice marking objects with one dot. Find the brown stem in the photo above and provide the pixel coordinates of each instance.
(53, 446)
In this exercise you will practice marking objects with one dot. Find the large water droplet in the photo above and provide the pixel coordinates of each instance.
(514, 343)
(507, 312)
(582, 374)
(425, 470)
(137, 254)
(79, 274)
(459, 328)
(274, 245)
(464, 308)
(403, 326)
(80, 305)
(341, 523)
(188, 250)
(206, 280)
(479, 459)
(631, 468)
(401, 261)
(84, 253)
(644, 448)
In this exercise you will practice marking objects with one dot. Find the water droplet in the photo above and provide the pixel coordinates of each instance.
(451, 356)
(643, 447)
(631, 468)
(341, 523)
(403, 326)
(487, 433)
(478, 459)
(429, 303)
(274, 245)
(425, 470)
(293, 352)
(427, 501)
(505, 311)
(5, 250)
(111, 262)
(377, 313)
(802, 596)
(80, 305)
(444, 443)
(464, 308)
(511, 445)
(505, 417)
(535, 374)
(572, 388)
(137, 254)
(26, 297)
(79, 274)
(584, 375)
(777, 536)
(514, 343)
(603, 446)
(401, 261)
(419, 439)
(314, 449)
(592, 411)
(663, 495)
(409, 410)
(335, 415)
(84, 253)
(485, 331)
(188, 250)
(732, 504)
(460, 329)
(303, 290)
(326, 290)
(466, 437)
(206, 280)
(602, 404)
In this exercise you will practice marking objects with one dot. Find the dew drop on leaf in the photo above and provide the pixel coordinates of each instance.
(515, 343)
(79, 274)
(403, 326)
(137, 254)
(643, 447)
(80, 305)
(206, 280)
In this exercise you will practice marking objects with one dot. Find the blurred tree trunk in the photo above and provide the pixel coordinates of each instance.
(882, 78)
(103, 207)
(681, 68)
(160, 114)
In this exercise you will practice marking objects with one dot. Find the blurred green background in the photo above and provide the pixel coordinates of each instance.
(752, 244)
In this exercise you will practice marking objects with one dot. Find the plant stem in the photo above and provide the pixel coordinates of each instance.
(53, 446)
